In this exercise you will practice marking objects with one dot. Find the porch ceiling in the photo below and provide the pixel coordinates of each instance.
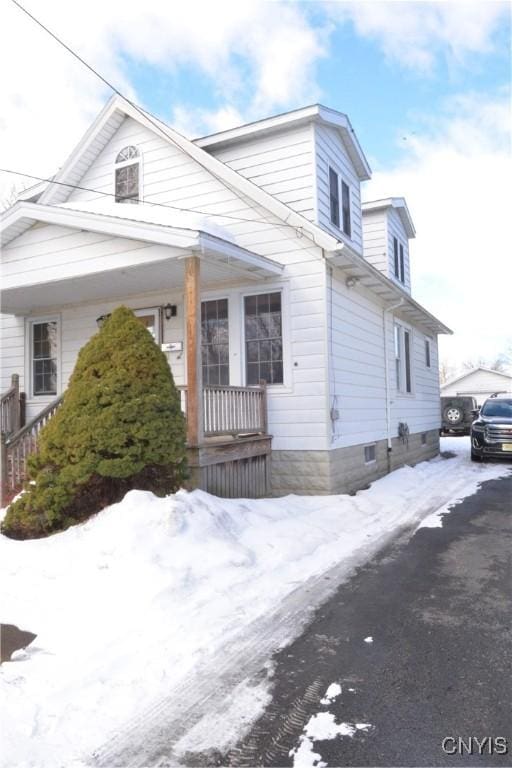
(222, 262)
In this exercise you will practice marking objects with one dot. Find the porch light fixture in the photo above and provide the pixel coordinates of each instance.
(351, 281)
(170, 310)
(101, 319)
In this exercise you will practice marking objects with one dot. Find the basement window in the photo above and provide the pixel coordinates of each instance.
(369, 454)
(423, 438)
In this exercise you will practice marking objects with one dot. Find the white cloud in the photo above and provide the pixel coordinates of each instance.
(415, 34)
(259, 54)
(457, 179)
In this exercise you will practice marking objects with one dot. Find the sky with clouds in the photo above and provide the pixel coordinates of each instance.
(425, 84)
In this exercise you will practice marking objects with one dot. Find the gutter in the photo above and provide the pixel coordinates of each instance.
(385, 313)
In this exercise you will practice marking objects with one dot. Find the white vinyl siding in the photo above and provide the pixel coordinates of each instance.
(282, 164)
(331, 152)
(386, 245)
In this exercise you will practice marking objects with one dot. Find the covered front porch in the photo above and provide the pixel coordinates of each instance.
(227, 432)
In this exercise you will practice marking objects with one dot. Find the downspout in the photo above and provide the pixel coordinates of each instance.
(385, 312)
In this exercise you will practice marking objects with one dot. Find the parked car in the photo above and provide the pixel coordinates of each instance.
(457, 414)
(491, 432)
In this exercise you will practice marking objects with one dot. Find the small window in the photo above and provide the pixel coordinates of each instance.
(403, 359)
(369, 454)
(402, 264)
(398, 356)
(427, 353)
(127, 175)
(423, 438)
(334, 197)
(44, 357)
(407, 349)
(345, 204)
(263, 338)
(395, 255)
(215, 341)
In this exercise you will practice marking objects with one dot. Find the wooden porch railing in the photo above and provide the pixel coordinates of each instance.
(232, 410)
(16, 448)
(12, 407)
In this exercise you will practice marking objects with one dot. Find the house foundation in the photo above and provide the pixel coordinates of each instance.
(344, 470)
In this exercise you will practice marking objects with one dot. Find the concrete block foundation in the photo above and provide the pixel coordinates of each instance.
(344, 470)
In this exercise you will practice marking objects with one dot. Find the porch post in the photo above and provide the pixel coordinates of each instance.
(194, 366)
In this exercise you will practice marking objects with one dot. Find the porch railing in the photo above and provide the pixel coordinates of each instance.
(232, 410)
(12, 407)
(16, 448)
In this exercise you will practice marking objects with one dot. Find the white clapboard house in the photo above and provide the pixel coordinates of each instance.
(282, 302)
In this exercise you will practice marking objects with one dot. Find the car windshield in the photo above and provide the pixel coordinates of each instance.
(499, 408)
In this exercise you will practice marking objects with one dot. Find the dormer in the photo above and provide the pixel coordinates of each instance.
(309, 159)
(387, 229)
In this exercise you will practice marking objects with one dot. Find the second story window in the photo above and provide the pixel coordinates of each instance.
(399, 260)
(127, 175)
(345, 205)
(334, 197)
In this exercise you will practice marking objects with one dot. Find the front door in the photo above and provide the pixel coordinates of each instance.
(150, 318)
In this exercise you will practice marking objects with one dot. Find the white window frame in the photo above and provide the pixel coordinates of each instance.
(155, 311)
(428, 358)
(285, 334)
(29, 360)
(123, 164)
(221, 297)
(341, 178)
(370, 461)
(400, 361)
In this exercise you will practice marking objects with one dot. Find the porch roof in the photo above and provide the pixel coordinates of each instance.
(223, 260)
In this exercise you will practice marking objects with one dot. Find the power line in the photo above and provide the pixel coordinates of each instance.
(147, 202)
(143, 113)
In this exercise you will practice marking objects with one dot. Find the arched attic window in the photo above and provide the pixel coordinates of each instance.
(127, 175)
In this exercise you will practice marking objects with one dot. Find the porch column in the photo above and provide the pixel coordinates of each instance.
(194, 366)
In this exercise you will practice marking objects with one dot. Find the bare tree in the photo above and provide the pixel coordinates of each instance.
(446, 371)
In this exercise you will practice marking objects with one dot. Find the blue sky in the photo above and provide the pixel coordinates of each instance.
(425, 84)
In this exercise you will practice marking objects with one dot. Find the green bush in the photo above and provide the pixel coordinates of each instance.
(120, 426)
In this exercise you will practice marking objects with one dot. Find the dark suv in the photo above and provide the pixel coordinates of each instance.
(491, 432)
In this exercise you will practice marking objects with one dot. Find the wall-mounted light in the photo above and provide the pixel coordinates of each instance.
(351, 281)
(101, 319)
(170, 310)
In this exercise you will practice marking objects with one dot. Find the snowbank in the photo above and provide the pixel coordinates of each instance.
(126, 605)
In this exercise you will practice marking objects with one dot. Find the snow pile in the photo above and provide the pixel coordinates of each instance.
(128, 604)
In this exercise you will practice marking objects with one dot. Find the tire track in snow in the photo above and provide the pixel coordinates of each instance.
(149, 737)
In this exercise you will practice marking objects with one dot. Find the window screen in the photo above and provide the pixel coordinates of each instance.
(334, 196)
(44, 358)
(215, 341)
(345, 202)
(263, 338)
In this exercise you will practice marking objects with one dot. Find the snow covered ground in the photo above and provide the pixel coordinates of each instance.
(150, 610)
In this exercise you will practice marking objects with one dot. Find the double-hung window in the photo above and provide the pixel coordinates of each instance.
(215, 341)
(403, 375)
(43, 357)
(427, 353)
(335, 184)
(399, 260)
(334, 197)
(263, 338)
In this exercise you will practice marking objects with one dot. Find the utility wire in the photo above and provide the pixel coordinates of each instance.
(144, 114)
(144, 202)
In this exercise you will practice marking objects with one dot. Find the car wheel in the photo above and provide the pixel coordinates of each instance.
(453, 415)
(475, 456)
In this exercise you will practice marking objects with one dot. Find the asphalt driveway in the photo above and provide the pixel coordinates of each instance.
(438, 610)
